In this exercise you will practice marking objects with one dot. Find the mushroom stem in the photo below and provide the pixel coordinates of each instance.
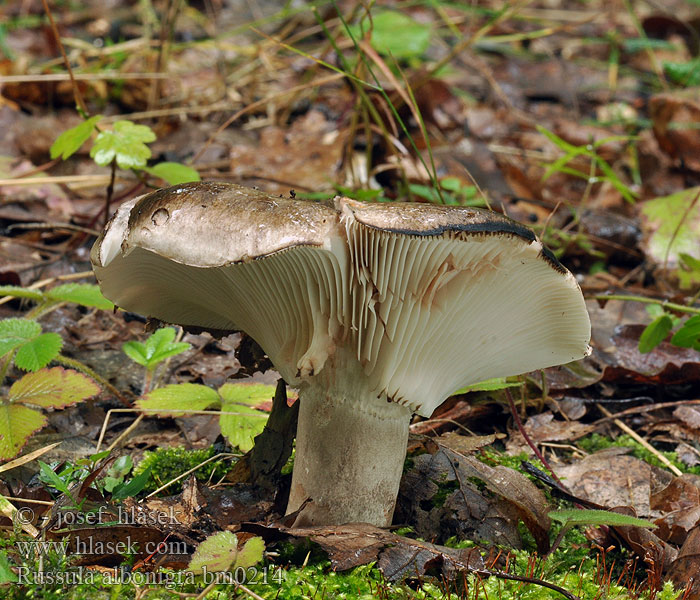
(350, 451)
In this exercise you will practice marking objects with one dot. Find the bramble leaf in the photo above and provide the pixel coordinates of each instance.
(85, 294)
(70, 141)
(155, 349)
(215, 554)
(172, 399)
(251, 553)
(53, 388)
(34, 349)
(241, 428)
(17, 424)
(126, 143)
(15, 332)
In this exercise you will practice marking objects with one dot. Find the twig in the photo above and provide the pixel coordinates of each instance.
(645, 300)
(638, 438)
(533, 446)
(534, 580)
(76, 92)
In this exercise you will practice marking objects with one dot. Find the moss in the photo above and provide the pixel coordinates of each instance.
(168, 463)
(596, 442)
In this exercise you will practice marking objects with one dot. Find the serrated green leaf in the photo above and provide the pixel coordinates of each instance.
(251, 553)
(655, 333)
(174, 173)
(217, 553)
(85, 294)
(688, 336)
(250, 394)
(53, 388)
(172, 399)
(575, 516)
(155, 349)
(17, 424)
(15, 332)
(136, 351)
(39, 352)
(397, 34)
(132, 487)
(70, 141)
(19, 292)
(126, 143)
(242, 425)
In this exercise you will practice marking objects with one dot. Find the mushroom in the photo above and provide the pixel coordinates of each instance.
(373, 311)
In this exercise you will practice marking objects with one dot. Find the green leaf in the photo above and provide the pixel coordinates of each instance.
(7, 575)
(250, 394)
(172, 399)
(655, 333)
(173, 173)
(242, 424)
(155, 349)
(126, 143)
(19, 292)
(691, 262)
(251, 553)
(85, 294)
(672, 225)
(688, 336)
(38, 352)
(70, 141)
(683, 73)
(15, 332)
(53, 388)
(241, 428)
(50, 477)
(397, 34)
(576, 516)
(133, 487)
(215, 554)
(17, 424)
(488, 385)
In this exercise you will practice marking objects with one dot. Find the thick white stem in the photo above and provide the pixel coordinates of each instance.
(350, 451)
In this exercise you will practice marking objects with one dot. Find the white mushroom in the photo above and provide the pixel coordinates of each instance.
(373, 311)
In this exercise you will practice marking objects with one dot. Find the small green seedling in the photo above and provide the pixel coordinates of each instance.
(125, 146)
(687, 334)
(240, 421)
(159, 346)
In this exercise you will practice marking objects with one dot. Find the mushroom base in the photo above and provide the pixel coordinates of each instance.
(350, 451)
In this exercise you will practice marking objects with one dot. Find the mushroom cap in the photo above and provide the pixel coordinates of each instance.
(426, 299)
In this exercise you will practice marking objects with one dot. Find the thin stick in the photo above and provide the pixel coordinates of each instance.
(76, 92)
(535, 449)
(638, 438)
